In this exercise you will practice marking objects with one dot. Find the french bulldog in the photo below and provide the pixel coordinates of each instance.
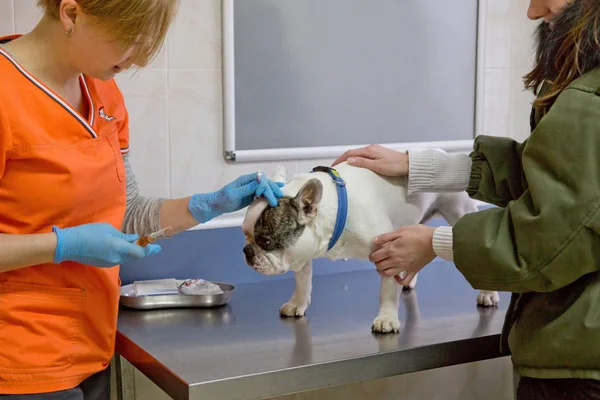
(299, 229)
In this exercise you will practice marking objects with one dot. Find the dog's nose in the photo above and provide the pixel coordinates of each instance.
(248, 252)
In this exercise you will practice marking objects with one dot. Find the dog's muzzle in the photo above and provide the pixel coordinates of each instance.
(260, 263)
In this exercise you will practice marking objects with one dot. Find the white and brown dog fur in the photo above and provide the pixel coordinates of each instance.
(289, 236)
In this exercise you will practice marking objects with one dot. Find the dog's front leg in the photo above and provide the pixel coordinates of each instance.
(300, 300)
(389, 298)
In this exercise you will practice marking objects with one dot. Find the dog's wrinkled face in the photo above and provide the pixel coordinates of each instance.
(282, 237)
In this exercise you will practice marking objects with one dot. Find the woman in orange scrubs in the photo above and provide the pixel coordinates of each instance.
(70, 211)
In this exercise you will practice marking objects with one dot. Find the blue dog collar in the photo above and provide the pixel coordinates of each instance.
(342, 212)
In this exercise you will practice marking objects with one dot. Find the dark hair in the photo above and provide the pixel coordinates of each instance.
(565, 52)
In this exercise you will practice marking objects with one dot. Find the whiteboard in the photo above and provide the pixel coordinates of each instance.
(310, 78)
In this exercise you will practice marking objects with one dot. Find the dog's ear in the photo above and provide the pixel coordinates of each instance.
(307, 200)
(279, 174)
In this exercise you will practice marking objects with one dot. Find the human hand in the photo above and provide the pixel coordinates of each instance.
(98, 245)
(406, 250)
(233, 197)
(378, 159)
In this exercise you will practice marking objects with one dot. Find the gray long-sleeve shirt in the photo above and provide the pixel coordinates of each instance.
(142, 214)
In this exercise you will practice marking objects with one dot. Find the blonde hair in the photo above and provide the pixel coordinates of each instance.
(139, 23)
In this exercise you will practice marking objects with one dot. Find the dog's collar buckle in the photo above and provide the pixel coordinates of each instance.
(333, 173)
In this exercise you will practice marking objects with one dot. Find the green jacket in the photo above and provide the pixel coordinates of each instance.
(543, 241)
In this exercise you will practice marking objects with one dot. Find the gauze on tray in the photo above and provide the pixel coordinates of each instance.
(172, 286)
(198, 287)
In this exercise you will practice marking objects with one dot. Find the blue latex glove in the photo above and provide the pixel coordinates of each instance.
(99, 245)
(233, 197)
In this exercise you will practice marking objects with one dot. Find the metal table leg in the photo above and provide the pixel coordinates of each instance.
(125, 378)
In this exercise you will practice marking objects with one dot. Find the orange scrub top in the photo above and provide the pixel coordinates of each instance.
(57, 167)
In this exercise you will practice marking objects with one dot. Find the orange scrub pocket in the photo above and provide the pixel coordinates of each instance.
(39, 326)
(113, 139)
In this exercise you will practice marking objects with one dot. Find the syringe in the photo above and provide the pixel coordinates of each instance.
(153, 237)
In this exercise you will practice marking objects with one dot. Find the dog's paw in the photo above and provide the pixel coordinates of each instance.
(487, 298)
(385, 324)
(291, 309)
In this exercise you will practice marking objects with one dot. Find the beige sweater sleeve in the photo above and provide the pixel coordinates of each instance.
(437, 171)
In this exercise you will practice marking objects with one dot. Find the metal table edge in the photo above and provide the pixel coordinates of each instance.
(303, 378)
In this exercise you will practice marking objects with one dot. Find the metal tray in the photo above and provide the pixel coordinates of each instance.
(130, 300)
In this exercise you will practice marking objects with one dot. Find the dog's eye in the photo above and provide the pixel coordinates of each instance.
(264, 242)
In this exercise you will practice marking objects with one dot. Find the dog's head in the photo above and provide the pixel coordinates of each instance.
(283, 237)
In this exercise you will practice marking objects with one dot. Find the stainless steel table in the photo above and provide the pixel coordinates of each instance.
(244, 350)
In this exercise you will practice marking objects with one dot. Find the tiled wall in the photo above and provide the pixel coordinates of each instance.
(176, 125)
(175, 105)
(508, 55)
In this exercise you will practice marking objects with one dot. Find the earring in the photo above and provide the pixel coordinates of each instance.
(69, 31)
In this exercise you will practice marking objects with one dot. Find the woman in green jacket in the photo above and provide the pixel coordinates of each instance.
(542, 242)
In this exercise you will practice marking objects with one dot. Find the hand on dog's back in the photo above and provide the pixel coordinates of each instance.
(378, 159)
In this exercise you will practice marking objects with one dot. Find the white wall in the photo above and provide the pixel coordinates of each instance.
(508, 56)
(176, 112)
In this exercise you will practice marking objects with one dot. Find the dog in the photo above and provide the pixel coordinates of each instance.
(305, 225)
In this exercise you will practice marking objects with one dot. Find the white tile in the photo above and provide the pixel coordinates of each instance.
(496, 108)
(231, 171)
(195, 37)
(6, 17)
(160, 61)
(27, 15)
(522, 31)
(145, 95)
(497, 36)
(196, 134)
(520, 106)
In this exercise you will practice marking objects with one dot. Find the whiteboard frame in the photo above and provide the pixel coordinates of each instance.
(303, 153)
